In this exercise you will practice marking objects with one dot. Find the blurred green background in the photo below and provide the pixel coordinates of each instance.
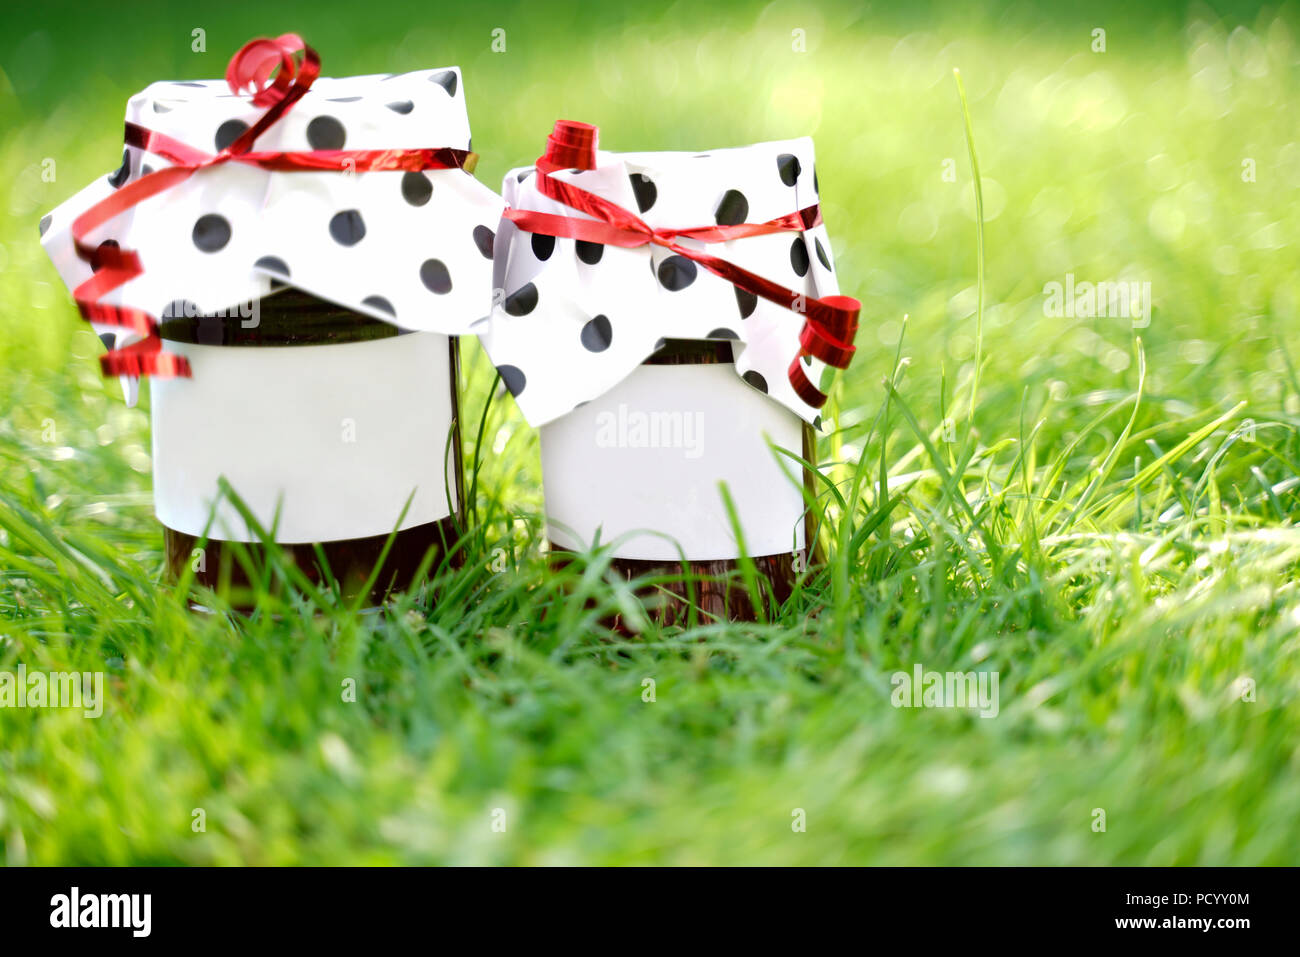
(1126, 163)
(1123, 613)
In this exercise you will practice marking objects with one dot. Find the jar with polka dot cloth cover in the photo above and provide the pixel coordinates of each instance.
(306, 283)
(671, 338)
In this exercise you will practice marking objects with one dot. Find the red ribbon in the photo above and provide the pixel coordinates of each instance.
(830, 323)
(249, 74)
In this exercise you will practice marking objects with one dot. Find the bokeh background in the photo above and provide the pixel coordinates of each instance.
(1172, 157)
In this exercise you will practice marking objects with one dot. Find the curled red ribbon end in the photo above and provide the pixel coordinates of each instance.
(830, 323)
(252, 65)
(144, 358)
(295, 66)
(572, 145)
(249, 73)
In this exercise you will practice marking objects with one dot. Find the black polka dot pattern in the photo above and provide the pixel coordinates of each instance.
(447, 80)
(770, 181)
(733, 208)
(347, 228)
(278, 267)
(117, 179)
(676, 273)
(434, 275)
(821, 253)
(380, 304)
(512, 377)
(799, 256)
(416, 188)
(543, 246)
(787, 165)
(362, 243)
(211, 233)
(589, 252)
(597, 334)
(645, 191)
(747, 302)
(96, 261)
(273, 264)
(228, 132)
(522, 301)
(326, 133)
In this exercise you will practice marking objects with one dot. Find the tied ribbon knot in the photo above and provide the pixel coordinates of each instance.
(275, 74)
(830, 323)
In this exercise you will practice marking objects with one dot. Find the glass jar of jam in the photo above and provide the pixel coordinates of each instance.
(318, 428)
(639, 470)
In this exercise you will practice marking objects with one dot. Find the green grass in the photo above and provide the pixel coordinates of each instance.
(1107, 521)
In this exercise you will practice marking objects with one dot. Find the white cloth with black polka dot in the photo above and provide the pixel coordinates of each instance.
(402, 247)
(572, 319)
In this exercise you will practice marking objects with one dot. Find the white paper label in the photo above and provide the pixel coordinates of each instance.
(644, 461)
(337, 437)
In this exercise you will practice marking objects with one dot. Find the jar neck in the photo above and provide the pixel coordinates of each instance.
(686, 352)
(288, 317)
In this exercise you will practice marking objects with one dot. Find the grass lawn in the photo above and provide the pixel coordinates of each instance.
(1103, 516)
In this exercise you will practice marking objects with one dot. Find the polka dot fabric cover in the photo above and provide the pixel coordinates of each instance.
(573, 318)
(394, 245)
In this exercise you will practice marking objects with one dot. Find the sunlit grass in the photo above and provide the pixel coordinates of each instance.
(1108, 524)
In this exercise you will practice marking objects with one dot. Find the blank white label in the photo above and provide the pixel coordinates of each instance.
(337, 437)
(645, 459)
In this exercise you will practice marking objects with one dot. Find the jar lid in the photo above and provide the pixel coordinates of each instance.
(574, 316)
(411, 248)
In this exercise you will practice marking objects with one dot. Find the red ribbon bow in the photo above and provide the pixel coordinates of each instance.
(249, 74)
(830, 323)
